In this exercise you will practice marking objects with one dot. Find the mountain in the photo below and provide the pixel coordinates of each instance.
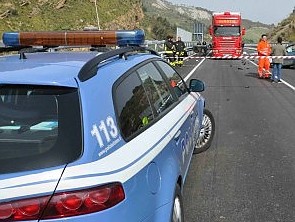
(157, 17)
(185, 16)
(180, 15)
(39, 15)
(285, 29)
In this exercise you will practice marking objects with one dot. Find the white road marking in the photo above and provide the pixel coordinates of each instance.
(194, 69)
(283, 81)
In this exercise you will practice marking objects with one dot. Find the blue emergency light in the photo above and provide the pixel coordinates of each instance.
(75, 38)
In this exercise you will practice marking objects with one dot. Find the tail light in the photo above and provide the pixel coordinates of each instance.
(28, 209)
(65, 204)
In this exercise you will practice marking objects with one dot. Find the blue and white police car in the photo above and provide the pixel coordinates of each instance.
(105, 134)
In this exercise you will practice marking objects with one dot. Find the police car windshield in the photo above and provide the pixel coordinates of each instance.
(39, 127)
(227, 31)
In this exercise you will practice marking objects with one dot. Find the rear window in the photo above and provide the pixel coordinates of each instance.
(40, 127)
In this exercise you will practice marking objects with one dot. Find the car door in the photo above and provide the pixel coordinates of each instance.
(185, 115)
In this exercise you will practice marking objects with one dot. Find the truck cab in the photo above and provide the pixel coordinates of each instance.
(227, 32)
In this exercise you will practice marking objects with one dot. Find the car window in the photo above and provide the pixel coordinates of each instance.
(174, 78)
(133, 106)
(155, 87)
(37, 127)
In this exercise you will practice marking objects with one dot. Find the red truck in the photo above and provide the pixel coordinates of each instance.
(227, 32)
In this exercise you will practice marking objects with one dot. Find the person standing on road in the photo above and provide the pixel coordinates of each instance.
(180, 51)
(263, 49)
(169, 48)
(277, 50)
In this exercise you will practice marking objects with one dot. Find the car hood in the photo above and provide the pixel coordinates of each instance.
(29, 184)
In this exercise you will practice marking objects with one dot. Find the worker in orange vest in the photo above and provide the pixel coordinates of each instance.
(263, 49)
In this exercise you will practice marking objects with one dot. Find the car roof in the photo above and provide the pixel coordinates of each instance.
(56, 68)
(43, 68)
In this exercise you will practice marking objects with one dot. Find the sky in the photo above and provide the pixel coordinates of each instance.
(265, 11)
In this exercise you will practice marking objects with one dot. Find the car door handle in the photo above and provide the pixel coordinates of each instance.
(177, 135)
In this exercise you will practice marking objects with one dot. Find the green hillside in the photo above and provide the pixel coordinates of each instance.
(28, 15)
(285, 28)
(253, 34)
(157, 17)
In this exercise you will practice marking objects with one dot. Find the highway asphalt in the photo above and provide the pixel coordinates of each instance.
(248, 174)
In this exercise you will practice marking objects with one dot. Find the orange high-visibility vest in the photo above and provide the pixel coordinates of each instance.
(263, 48)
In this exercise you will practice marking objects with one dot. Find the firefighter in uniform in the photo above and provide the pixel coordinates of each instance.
(180, 51)
(169, 49)
(263, 49)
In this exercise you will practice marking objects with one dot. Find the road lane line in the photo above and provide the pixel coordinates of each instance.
(283, 81)
(194, 69)
(288, 84)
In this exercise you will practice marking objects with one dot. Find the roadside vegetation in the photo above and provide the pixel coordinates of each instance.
(158, 18)
(285, 28)
(39, 15)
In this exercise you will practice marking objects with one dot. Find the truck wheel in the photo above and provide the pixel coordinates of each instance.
(206, 133)
(177, 210)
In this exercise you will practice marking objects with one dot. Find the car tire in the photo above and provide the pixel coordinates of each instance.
(206, 133)
(177, 209)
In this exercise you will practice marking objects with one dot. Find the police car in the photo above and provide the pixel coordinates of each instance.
(105, 134)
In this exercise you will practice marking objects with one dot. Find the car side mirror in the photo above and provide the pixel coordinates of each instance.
(243, 31)
(196, 85)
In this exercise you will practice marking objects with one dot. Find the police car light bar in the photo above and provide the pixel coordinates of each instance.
(74, 38)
